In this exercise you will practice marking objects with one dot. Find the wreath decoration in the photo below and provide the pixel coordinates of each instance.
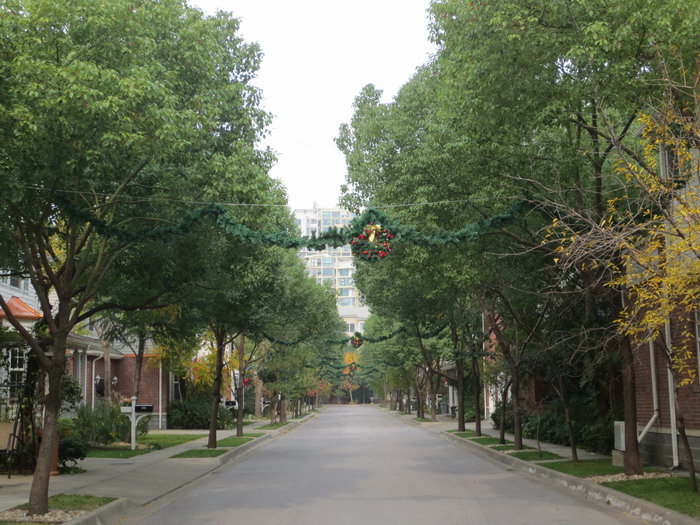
(356, 340)
(373, 243)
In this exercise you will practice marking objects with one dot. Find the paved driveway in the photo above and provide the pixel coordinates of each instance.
(361, 465)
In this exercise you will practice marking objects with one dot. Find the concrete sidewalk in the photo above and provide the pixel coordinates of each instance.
(446, 423)
(140, 479)
(581, 488)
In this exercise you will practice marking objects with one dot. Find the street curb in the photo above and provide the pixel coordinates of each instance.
(581, 488)
(109, 513)
(104, 515)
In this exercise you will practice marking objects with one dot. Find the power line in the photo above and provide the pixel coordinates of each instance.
(136, 200)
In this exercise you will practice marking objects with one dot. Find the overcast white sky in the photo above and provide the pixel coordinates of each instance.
(318, 55)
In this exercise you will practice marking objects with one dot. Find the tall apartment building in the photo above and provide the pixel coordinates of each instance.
(334, 266)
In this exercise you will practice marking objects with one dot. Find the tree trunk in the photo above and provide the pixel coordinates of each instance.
(432, 390)
(219, 336)
(108, 369)
(632, 461)
(459, 369)
(139, 365)
(504, 404)
(476, 374)
(515, 401)
(273, 411)
(568, 421)
(258, 398)
(240, 409)
(39, 492)
(283, 410)
(688, 452)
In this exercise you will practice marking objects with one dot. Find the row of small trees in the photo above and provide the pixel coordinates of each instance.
(118, 120)
(566, 135)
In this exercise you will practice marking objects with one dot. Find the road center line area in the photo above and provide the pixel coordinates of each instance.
(362, 465)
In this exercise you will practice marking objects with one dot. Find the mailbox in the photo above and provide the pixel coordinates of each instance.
(141, 409)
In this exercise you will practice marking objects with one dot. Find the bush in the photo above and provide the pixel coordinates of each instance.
(469, 413)
(598, 436)
(70, 451)
(496, 417)
(102, 425)
(72, 394)
(552, 427)
(195, 414)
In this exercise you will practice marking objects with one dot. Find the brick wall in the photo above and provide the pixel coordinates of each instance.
(682, 337)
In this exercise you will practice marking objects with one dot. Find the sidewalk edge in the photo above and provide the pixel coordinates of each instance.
(584, 489)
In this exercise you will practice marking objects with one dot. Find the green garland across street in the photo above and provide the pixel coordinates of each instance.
(370, 234)
(358, 337)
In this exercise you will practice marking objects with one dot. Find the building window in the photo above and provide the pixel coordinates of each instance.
(346, 301)
(345, 292)
(344, 272)
(328, 261)
(17, 367)
(351, 327)
(328, 272)
(15, 281)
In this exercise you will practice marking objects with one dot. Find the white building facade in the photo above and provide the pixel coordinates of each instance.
(333, 266)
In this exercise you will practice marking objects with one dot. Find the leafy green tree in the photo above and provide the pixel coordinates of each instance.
(111, 114)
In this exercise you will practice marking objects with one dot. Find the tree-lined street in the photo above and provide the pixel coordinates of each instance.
(358, 464)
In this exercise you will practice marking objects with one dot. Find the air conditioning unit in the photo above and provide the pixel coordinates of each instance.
(619, 432)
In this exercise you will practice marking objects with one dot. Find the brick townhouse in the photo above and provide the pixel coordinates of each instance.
(656, 407)
(85, 362)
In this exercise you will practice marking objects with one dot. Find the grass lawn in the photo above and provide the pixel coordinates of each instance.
(233, 441)
(502, 448)
(671, 493)
(487, 440)
(423, 419)
(466, 433)
(201, 453)
(168, 440)
(586, 468)
(74, 502)
(535, 455)
(69, 502)
(154, 441)
(115, 453)
(273, 427)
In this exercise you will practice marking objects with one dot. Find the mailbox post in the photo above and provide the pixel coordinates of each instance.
(136, 412)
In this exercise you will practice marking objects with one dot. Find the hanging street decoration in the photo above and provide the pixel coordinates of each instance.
(371, 234)
(356, 340)
(373, 243)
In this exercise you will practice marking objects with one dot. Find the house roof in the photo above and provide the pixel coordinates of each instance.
(21, 310)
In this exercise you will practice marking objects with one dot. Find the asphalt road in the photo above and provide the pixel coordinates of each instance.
(361, 465)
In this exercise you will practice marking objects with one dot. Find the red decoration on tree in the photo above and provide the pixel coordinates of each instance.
(356, 341)
(373, 243)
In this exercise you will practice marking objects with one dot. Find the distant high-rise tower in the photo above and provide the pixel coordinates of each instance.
(333, 266)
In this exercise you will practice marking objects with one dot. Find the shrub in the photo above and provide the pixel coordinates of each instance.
(102, 425)
(552, 427)
(598, 436)
(70, 451)
(496, 417)
(469, 413)
(72, 394)
(195, 414)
